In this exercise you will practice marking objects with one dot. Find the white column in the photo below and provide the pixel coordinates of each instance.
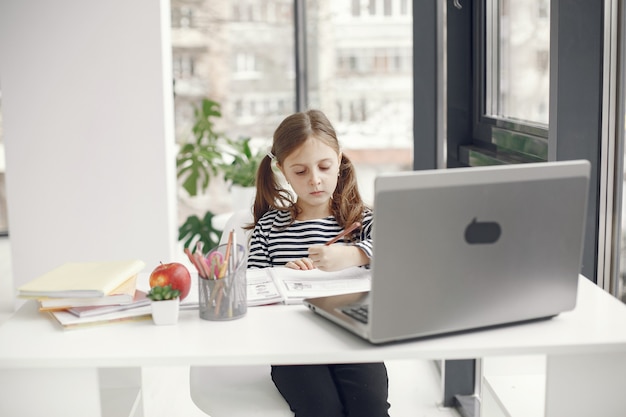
(585, 385)
(88, 129)
(50, 392)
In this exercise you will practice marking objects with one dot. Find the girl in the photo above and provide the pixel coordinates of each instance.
(292, 232)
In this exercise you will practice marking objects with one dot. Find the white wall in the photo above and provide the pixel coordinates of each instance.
(88, 130)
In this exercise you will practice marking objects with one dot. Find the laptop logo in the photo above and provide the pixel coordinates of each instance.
(477, 233)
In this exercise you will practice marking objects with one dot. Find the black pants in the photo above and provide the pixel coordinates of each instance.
(339, 390)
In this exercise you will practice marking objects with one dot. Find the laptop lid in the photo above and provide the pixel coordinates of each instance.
(466, 248)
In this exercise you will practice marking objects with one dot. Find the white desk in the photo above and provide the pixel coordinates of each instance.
(585, 348)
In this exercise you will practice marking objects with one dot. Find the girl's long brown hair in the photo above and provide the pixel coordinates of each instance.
(347, 206)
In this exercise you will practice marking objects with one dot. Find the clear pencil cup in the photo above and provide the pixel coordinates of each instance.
(223, 295)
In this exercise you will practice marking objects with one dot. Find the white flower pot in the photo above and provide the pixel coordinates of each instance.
(165, 311)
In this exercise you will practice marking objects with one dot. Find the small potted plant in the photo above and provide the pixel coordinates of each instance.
(165, 304)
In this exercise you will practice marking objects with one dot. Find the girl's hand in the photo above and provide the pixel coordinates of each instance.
(336, 257)
(303, 263)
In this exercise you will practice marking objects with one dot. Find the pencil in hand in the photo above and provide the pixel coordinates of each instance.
(345, 232)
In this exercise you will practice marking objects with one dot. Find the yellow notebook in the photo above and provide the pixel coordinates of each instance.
(82, 279)
(124, 294)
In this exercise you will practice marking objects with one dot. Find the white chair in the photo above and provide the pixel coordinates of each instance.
(248, 391)
(236, 222)
(235, 391)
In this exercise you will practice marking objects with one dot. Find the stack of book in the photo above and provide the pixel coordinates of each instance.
(81, 293)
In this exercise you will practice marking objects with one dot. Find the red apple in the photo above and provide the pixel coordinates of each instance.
(175, 274)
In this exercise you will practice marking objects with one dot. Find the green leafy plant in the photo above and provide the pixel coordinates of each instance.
(209, 155)
(199, 230)
(242, 170)
(159, 293)
(200, 160)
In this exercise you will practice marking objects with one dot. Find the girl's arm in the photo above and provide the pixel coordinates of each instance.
(259, 255)
(336, 257)
(340, 256)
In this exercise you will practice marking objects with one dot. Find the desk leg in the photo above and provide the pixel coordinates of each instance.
(586, 385)
(166, 392)
(50, 392)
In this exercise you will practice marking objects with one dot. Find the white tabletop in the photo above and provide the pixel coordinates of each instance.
(292, 334)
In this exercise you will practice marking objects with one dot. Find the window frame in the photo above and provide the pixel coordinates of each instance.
(500, 138)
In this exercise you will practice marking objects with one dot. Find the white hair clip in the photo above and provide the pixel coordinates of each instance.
(271, 155)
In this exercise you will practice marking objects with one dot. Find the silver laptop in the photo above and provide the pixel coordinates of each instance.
(469, 248)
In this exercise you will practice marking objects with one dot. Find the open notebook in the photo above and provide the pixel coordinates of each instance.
(290, 286)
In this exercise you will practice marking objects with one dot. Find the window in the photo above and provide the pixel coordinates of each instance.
(241, 53)
(356, 8)
(517, 69)
(182, 17)
(183, 66)
(361, 75)
(511, 118)
(372, 7)
(404, 7)
(387, 7)
(246, 66)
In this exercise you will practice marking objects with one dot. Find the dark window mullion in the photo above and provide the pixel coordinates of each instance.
(300, 53)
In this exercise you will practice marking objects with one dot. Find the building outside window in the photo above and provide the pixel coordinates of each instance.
(241, 53)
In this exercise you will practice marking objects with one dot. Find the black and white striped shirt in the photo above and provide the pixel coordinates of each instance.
(272, 244)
